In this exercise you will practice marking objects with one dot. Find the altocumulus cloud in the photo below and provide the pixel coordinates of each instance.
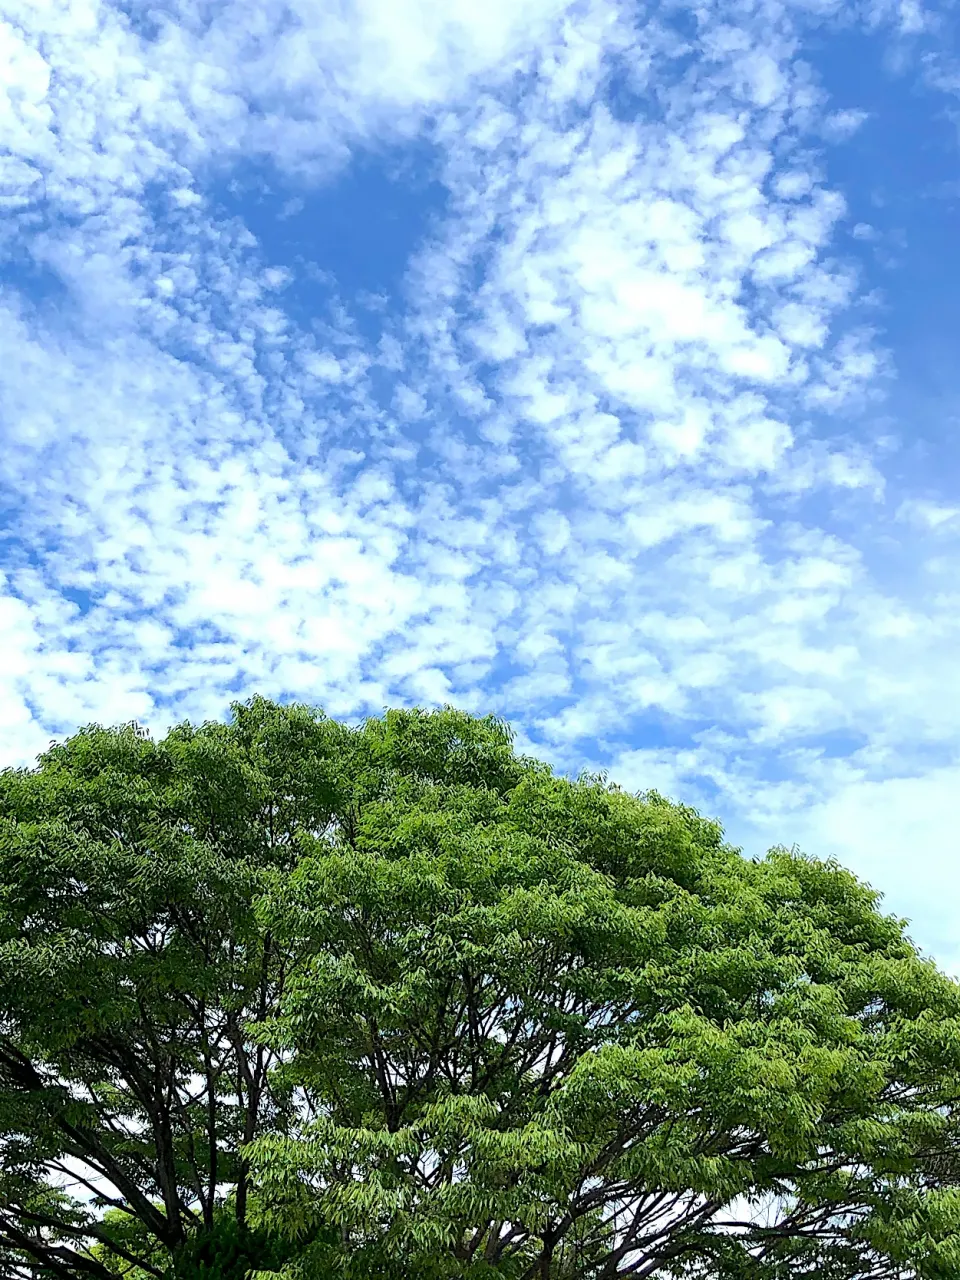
(536, 356)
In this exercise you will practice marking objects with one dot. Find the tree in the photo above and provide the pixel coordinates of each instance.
(284, 997)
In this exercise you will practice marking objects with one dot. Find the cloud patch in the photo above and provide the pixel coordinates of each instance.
(608, 463)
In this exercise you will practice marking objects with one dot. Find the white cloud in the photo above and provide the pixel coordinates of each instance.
(841, 125)
(927, 514)
(910, 17)
(588, 477)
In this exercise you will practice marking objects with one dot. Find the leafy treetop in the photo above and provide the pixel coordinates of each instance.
(282, 997)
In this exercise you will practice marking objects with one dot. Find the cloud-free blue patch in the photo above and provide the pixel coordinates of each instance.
(351, 238)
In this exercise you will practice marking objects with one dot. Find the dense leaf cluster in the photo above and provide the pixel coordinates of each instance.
(282, 997)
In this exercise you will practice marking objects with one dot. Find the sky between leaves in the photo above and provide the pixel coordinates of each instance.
(591, 363)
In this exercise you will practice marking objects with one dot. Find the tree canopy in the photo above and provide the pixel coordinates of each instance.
(285, 997)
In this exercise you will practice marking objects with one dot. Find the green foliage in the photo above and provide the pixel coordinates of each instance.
(284, 998)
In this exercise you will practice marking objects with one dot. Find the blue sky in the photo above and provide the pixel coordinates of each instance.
(589, 363)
